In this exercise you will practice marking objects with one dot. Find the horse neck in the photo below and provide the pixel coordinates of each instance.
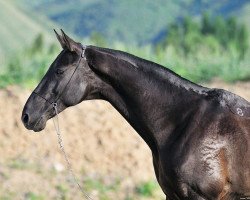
(150, 97)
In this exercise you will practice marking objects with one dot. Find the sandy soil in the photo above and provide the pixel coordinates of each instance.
(99, 142)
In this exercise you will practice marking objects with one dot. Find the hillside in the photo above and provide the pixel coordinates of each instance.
(133, 20)
(18, 29)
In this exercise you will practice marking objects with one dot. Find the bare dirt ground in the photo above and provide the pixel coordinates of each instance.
(108, 156)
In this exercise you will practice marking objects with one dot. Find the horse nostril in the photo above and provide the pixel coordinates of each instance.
(25, 118)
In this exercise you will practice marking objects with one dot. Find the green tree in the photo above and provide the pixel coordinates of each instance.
(232, 28)
(175, 35)
(207, 26)
(242, 41)
(190, 26)
(98, 39)
(38, 44)
(192, 42)
(210, 35)
(220, 31)
(191, 38)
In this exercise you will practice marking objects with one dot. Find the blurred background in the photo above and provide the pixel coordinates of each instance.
(205, 41)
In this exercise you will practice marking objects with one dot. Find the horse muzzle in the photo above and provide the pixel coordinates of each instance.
(31, 123)
(35, 113)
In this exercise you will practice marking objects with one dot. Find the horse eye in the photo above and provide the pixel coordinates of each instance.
(59, 71)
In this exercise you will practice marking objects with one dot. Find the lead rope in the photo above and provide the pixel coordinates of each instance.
(60, 142)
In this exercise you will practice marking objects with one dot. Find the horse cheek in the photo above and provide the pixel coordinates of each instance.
(74, 94)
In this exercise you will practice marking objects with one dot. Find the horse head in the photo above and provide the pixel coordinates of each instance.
(66, 83)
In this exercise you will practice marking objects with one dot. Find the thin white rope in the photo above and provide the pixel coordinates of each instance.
(60, 142)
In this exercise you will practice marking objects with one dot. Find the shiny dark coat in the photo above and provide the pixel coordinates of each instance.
(199, 137)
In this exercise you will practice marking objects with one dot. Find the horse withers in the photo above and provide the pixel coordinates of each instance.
(199, 137)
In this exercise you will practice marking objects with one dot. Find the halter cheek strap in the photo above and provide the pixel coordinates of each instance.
(82, 57)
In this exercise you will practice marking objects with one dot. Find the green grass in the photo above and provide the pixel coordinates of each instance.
(33, 196)
(147, 189)
(63, 190)
(100, 186)
(22, 164)
(18, 29)
(7, 196)
(17, 164)
(28, 196)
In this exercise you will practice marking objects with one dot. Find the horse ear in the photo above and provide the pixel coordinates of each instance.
(60, 39)
(70, 43)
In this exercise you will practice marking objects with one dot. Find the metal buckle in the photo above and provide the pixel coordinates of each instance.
(83, 50)
(54, 105)
(240, 112)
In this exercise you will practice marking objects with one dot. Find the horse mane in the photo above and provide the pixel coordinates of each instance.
(153, 68)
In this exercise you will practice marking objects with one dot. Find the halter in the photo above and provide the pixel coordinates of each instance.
(56, 125)
(54, 103)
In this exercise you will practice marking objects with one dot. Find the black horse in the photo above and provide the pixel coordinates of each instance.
(199, 137)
